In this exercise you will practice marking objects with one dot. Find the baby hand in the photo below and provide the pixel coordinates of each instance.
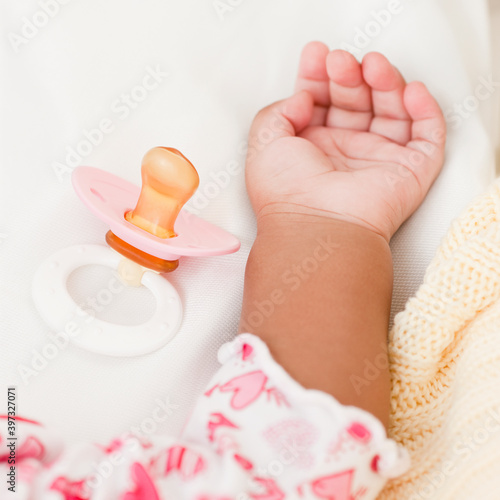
(355, 143)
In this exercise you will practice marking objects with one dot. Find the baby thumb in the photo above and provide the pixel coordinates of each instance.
(284, 118)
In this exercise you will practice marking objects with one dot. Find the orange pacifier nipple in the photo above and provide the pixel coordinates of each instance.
(169, 179)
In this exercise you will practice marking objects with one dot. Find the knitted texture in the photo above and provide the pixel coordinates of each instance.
(445, 357)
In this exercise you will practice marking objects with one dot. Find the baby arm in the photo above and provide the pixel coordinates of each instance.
(332, 172)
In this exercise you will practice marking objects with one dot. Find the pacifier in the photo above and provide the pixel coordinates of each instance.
(148, 234)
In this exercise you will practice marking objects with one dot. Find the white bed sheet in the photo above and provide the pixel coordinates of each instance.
(225, 60)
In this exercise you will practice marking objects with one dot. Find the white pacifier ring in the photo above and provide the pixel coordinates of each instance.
(62, 314)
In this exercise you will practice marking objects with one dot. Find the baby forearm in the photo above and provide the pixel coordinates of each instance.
(318, 292)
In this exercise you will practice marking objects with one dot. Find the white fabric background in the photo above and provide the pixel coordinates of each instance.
(221, 71)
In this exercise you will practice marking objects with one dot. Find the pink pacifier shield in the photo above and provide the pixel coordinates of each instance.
(109, 197)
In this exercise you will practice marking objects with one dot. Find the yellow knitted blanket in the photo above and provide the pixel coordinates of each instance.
(445, 354)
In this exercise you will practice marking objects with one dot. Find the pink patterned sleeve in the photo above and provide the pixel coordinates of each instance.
(255, 434)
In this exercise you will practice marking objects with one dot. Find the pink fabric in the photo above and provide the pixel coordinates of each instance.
(255, 434)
